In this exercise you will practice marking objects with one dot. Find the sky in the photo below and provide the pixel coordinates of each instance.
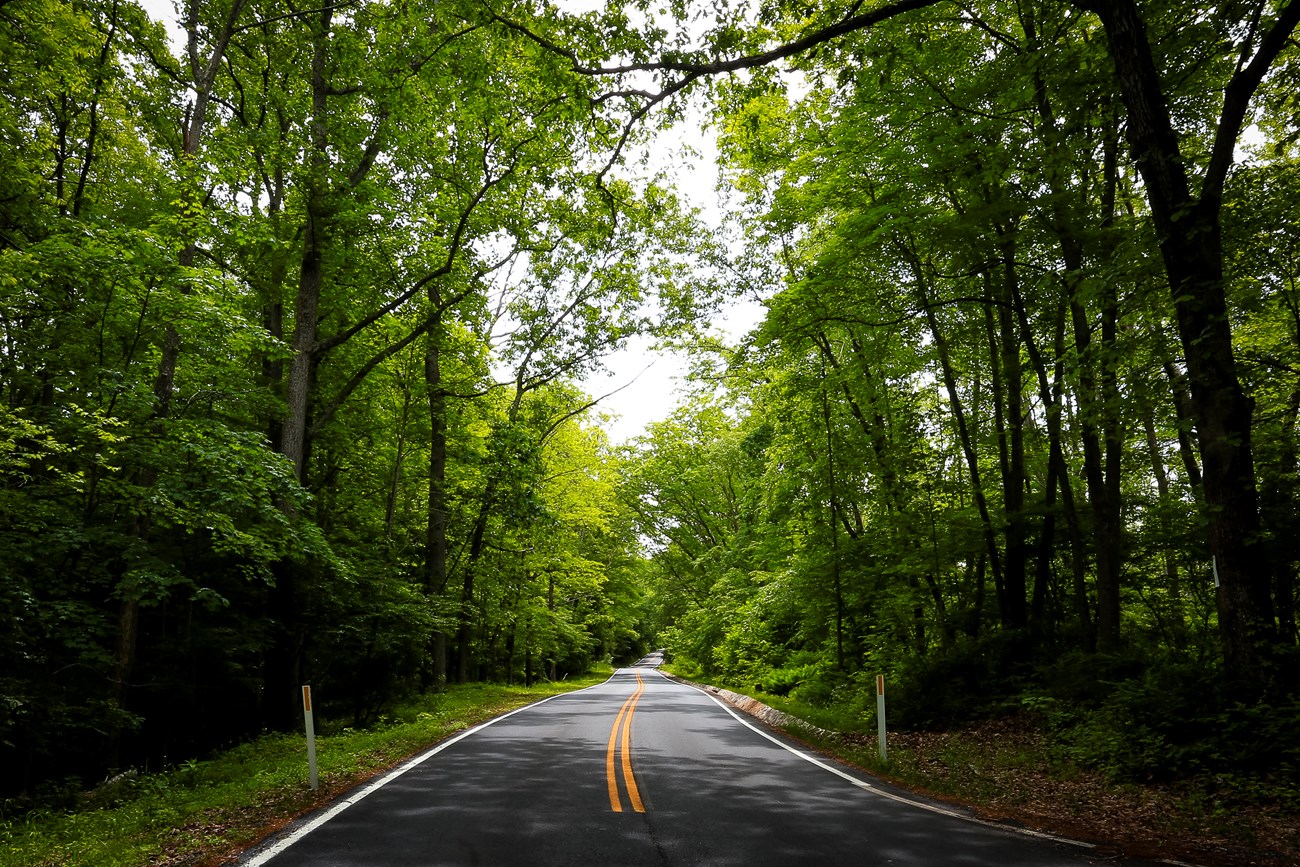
(641, 382)
(648, 379)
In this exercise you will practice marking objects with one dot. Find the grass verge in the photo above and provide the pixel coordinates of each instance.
(200, 813)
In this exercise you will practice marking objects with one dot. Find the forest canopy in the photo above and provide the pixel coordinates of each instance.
(295, 315)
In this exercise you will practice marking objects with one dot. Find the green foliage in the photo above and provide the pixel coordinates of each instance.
(969, 446)
(252, 323)
(1143, 720)
(251, 309)
(780, 681)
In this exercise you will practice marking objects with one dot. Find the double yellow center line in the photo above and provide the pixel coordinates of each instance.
(621, 737)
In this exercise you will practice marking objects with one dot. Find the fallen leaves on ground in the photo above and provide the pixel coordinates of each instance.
(999, 769)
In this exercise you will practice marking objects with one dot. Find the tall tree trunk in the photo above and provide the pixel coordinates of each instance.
(1057, 476)
(283, 658)
(550, 606)
(1105, 529)
(1014, 474)
(1109, 403)
(831, 487)
(1191, 247)
(311, 276)
(465, 629)
(876, 430)
(1178, 626)
(203, 76)
(302, 362)
(959, 415)
(1050, 393)
(435, 577)
(1004, 379)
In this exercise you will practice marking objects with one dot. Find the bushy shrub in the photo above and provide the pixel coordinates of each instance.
(973, 679)
(780, 681)
(823, 688)
(1163, 720)
(1088, 679)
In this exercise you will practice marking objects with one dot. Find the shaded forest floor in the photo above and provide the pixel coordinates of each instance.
(998, 768)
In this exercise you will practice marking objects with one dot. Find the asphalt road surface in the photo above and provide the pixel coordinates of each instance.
(640, 771)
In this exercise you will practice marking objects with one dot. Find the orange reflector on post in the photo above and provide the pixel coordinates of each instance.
(310, 725)
(880, 717)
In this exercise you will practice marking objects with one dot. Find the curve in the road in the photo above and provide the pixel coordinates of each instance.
(623, 723)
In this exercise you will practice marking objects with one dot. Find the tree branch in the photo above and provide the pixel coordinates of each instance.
(1236, 101)
(457, 241)
(750, 61)
(691, 72)
(296, 14)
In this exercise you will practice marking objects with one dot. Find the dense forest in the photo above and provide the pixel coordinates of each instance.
(296, 309)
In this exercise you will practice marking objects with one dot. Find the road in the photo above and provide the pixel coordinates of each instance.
(641, 771)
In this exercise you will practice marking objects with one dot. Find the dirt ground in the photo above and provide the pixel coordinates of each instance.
(996, 769)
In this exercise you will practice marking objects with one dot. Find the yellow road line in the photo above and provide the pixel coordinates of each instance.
(624, 719)
(610, 778)
(629, 780)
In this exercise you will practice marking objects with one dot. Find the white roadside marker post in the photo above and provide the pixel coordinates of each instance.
(880, 715)
(311, 736)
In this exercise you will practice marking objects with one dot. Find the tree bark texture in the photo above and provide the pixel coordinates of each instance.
(435, 576)
(1191, 247)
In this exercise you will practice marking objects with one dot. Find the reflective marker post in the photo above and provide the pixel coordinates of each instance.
(880, 715)
(311, 736)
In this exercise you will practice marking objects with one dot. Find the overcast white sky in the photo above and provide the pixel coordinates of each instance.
(654, 376)
(645, 380)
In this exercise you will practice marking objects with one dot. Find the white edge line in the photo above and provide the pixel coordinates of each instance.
(265, 855)
(863, 784)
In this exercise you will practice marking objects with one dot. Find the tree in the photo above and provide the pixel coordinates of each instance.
(222, 280)
(1186, 217)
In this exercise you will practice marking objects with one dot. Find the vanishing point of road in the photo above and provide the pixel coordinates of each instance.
(641, 770)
